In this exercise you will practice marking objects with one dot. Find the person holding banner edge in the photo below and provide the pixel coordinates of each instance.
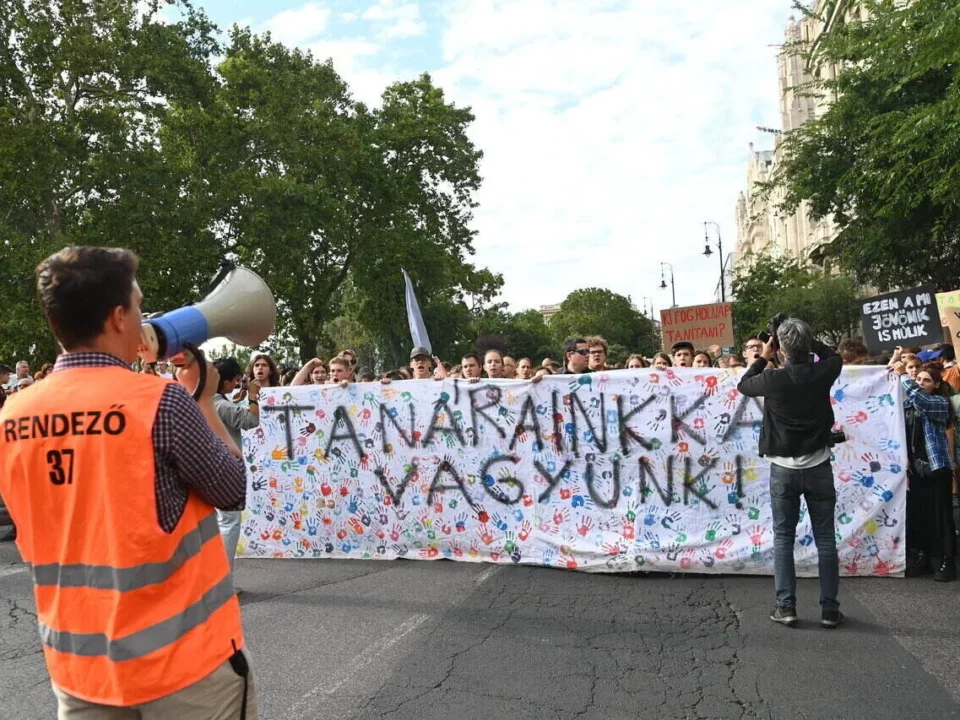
(796, 438)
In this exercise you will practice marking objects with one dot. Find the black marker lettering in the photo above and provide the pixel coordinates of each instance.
(340, 415)
(647, 469)
(551, 480)
(396, 496)
(447, 467)
(442, 406)
(495, 492)
(392, 417)
(591, 481)
(677, 421)
(626, 432)
(529, 408)
(287, 410)
(476, 410)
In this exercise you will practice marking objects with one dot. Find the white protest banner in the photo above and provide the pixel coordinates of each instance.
(616, 471)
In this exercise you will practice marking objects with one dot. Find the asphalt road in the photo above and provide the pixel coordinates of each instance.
(411, 639)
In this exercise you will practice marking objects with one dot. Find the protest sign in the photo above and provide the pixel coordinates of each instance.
(617, 471)
(953, 323)
(699, 324)
(905, 317)
(945, 301)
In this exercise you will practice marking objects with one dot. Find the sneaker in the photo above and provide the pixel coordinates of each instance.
(947, 571)
(831, 618)
(784, 615)
(918, 565)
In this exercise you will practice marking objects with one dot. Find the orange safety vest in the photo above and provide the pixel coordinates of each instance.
(127, 612)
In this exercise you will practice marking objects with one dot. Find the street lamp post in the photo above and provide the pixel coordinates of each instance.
(663, 282)
(648, 301)
(708, 252)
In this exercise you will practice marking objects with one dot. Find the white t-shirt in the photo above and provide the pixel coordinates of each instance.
(802, 462)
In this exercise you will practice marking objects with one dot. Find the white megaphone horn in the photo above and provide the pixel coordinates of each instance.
(239, 307)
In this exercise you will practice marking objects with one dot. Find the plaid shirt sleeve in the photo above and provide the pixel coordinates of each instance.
(189, 456)
(934, 411)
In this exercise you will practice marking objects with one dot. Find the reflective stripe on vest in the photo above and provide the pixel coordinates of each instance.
(105, 577)
(143, 642)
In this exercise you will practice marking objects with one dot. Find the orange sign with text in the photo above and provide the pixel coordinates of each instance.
(701, 325)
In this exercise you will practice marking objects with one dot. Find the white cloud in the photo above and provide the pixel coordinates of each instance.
(294, 27)
(402, 19)
(611, 131)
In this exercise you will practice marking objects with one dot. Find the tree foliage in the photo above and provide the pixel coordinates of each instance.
(596, 311)
(884, 159)
(775, 285)
(119, 129)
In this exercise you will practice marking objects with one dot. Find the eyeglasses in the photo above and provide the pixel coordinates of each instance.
(580, 351)
(597, 352)
(753, 346)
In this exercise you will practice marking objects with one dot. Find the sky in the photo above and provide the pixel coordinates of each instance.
(611, 129)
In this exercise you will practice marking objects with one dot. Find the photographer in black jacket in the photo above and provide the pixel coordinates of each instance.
(796, 439)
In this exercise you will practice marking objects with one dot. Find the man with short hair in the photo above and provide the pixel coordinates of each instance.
(493, 364)
(421, 363)
(509, 368)
(752, 349)
(22, 371)
(796, 438)
(340, 371)
(133, 592)
(236, 418)
(683, 354)
(470, 363)
(575, 352)
(597, 349)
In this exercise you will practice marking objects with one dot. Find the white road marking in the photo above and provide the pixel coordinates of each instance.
(12, 570)
(376, 650)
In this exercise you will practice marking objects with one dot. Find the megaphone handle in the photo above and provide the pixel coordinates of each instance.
(202, 362)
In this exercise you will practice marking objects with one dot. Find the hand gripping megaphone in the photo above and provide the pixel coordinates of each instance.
(239, 307)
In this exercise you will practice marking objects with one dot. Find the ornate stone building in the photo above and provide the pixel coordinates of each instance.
(761, 227)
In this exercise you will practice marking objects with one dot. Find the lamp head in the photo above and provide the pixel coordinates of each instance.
(707, 251)
(663, 284)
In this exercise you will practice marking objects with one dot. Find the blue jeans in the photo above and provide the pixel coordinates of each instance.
(815, 485)
(229, 523)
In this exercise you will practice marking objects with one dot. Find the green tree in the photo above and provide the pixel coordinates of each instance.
(776, 285)
(884, 159)
(83, 89)
(596, 311)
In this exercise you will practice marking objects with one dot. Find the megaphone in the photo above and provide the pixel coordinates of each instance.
(239, 307)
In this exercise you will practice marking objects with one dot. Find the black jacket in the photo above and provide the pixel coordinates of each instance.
(797, 415)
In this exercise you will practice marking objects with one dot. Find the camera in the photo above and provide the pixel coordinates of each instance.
(771, 331)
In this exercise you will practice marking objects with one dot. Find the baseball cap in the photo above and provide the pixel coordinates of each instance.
(5, 369)
(928, 355)
(419, 352)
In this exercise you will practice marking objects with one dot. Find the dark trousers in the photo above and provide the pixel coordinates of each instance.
(930, 526)
(815, 485)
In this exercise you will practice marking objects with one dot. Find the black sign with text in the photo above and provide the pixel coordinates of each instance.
(906, 317)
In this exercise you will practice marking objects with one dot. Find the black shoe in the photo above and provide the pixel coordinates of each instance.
(918, 565)
(831, 618)
(947, 571)
(784, 615)
(10, 536)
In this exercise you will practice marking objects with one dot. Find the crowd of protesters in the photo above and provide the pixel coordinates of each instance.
(930, 378)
